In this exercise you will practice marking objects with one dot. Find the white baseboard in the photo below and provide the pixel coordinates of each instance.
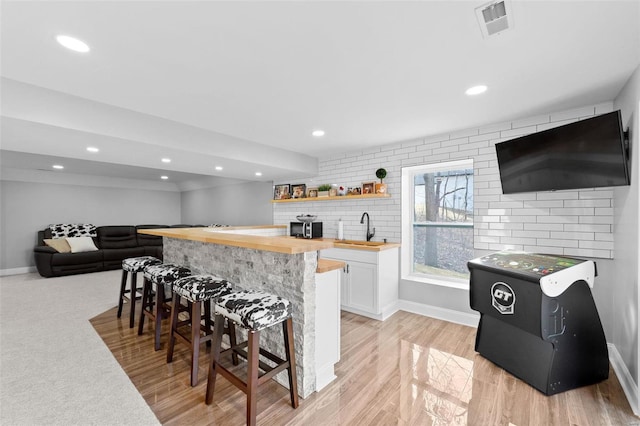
(629, 386)
(450, 315)
(17, 271)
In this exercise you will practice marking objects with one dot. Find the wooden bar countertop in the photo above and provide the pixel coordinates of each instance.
(279, 244)
(326, 265)
(233, 236)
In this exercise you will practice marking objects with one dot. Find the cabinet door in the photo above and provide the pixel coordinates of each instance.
(362, 288)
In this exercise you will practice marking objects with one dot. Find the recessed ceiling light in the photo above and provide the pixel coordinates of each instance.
(258, 174)
(318, 133)
(92, 149)
(166, 160)
(164, 177)
(73, 43)
(58, 166)
(218, 168)
(476, 90)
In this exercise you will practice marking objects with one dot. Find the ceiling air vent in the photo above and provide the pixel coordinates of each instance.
(494, 17)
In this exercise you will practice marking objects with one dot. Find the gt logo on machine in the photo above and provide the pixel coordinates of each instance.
(503, 298)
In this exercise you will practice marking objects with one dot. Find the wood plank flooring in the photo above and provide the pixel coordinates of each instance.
(407, 370)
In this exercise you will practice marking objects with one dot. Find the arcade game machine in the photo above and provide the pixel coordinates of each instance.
(538, 319)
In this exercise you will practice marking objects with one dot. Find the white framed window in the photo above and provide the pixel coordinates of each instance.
(437, 222)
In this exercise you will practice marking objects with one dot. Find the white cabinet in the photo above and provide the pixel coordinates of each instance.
(369, 282)
(327, 326)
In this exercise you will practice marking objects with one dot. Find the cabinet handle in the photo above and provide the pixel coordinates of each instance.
(347, 268)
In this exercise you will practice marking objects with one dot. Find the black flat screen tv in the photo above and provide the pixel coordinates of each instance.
(589, 153)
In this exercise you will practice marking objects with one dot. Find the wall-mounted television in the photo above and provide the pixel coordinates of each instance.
(589, 153)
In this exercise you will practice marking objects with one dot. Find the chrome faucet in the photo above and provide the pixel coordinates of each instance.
(369, 235)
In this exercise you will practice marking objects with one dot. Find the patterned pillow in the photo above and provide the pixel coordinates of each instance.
(64, 230)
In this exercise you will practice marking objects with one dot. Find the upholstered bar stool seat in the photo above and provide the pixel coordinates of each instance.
(155, 305)
(197, 290)
(254, 311)
(133, 265)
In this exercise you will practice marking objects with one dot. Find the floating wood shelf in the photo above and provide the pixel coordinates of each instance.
(339, 198)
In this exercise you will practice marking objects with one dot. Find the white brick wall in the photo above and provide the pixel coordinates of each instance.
(573, 222)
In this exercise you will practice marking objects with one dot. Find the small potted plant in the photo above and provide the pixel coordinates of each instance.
(381, 188)
(323, 190)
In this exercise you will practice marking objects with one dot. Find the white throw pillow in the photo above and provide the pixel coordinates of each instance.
(80, 244)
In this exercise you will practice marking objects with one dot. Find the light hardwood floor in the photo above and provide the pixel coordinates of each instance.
(407, 370)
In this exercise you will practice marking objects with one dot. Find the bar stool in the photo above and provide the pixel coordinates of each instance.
(133, 265)
(162, 276)
(196, 289)
(254, 311)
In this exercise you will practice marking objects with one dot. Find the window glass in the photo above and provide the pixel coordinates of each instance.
(442, 220)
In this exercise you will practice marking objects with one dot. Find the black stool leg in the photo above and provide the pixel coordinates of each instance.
(218, 328)
(231, 331)
(173, 327)
(287, 328)
(196, 315)
(208, 321)
(132, 299)
(158, 314)
(123, 285)
(146, 303)
(253, 352)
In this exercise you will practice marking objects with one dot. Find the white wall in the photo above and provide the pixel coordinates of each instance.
(626, 279)
(27, 207)
(572, 223)
(575, 223)
(239, 204)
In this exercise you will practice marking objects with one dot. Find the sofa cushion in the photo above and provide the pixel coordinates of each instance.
(81, 244)
(117, 237)
(70, 259)
(63, 230)
(118, 255)
(59, 244)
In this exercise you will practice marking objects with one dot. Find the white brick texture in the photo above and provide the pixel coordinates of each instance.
(572, 223)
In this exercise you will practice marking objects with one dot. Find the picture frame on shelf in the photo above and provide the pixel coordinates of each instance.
(354, 190)
(368, 188)
(281, 192)
(333, 192)
(312, 192)
(298, 190)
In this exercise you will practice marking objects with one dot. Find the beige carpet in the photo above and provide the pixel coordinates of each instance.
(54, 368)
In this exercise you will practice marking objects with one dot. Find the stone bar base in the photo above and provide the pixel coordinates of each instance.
(291, 276)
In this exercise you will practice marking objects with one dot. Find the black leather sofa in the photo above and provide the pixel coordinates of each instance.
(114, 244)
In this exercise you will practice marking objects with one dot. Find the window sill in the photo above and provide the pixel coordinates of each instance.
(459, 284)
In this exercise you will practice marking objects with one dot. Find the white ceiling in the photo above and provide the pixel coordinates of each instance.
(244, 83)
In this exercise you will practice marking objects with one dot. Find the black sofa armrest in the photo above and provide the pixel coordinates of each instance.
(42, 256)
(44, 249)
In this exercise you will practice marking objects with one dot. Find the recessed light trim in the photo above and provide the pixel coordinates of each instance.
(318, 133)
(166, 160)
(93, 149)
(164, 177)
(73, 43)
(58, 167)
(476, 90)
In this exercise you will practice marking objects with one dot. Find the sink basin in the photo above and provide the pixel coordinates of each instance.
(360, 243)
